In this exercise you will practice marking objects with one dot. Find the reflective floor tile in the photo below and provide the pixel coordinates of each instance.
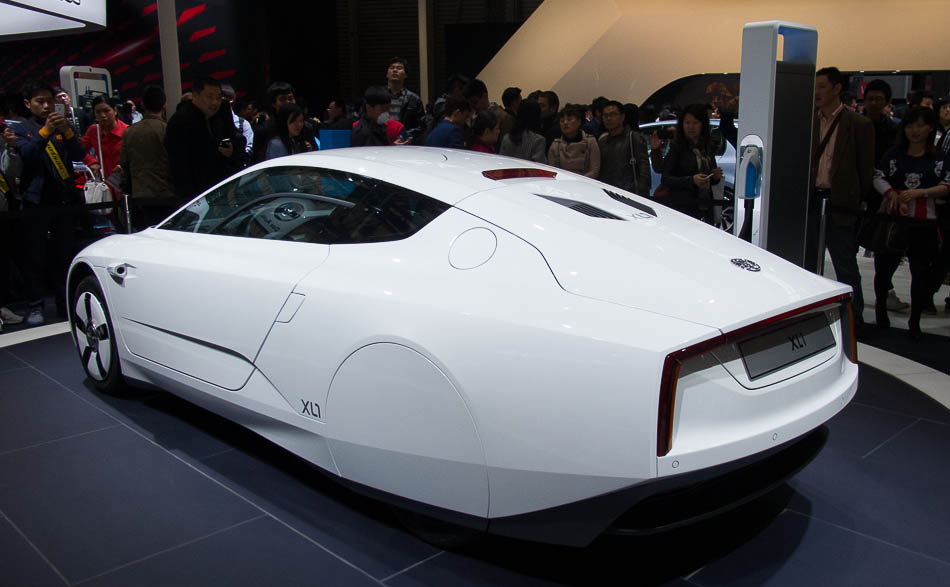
(261, 552)
(54, 355)
(858, 429)
(797, 550)
(9, 361)
(20, 564)
(878, 500)
(359, 529)
(922, 452)
(876, 388)
(96, 501)
(36, 409)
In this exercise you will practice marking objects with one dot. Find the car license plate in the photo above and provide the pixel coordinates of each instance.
(773, 351)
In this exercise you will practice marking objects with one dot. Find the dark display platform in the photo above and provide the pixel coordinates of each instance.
(151, 490)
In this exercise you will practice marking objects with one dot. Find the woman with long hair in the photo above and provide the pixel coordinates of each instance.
(289, 139)
(911, 176)
(525, 140)
(689, 168)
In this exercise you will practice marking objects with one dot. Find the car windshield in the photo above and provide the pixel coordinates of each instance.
(309, 205)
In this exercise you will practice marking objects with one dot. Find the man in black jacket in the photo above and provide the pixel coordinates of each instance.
(405, 105)
(550, 128)
(199, 157)
(624, 162)
(48, 146)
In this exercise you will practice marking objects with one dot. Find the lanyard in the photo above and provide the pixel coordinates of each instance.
(57, 161)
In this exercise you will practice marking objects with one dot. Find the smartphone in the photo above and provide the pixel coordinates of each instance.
(60, 109)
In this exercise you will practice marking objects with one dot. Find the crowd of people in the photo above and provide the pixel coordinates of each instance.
(880, 171)
(863, 161)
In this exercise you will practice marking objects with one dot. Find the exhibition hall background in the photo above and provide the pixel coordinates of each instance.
(326, 48)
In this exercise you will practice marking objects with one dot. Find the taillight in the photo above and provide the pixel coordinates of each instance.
(518, 172)
(675, 360)
(849, 338)
(671, 374)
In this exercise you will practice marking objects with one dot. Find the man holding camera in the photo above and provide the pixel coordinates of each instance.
(201, 151)
(48, 146)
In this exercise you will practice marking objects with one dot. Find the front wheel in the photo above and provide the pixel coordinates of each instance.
(95, 337)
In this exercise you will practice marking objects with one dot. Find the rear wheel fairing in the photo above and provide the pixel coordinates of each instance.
(399, 425)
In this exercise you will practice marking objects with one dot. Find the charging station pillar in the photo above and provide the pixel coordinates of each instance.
(776, 93)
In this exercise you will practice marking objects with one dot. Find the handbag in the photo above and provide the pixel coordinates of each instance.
(97, 191)
(884, 232)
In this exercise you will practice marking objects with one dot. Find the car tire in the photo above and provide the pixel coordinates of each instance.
(442, 535)
(94, 335)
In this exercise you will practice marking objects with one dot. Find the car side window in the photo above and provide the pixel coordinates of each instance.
(307, 204)
(207, 211)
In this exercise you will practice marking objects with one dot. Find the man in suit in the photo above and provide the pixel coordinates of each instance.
(842, 169)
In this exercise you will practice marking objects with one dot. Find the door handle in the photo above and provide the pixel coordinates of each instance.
(119, 271)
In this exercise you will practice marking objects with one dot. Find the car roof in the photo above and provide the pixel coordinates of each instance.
(446, 174)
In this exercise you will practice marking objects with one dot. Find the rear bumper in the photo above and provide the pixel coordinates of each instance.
(668, 502)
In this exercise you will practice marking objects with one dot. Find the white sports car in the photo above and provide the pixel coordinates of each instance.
(487, 341)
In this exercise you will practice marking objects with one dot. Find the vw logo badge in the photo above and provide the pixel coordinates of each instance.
(746, 264)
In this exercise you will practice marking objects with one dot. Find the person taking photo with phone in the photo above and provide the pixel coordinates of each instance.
(48, 146)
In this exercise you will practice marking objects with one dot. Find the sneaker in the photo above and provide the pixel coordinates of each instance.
(894, 304)
(36, 317)
(9, 317)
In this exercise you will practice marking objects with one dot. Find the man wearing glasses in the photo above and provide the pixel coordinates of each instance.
(623, 153)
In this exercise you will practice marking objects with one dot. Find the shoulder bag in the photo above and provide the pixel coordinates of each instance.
(97, 191)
